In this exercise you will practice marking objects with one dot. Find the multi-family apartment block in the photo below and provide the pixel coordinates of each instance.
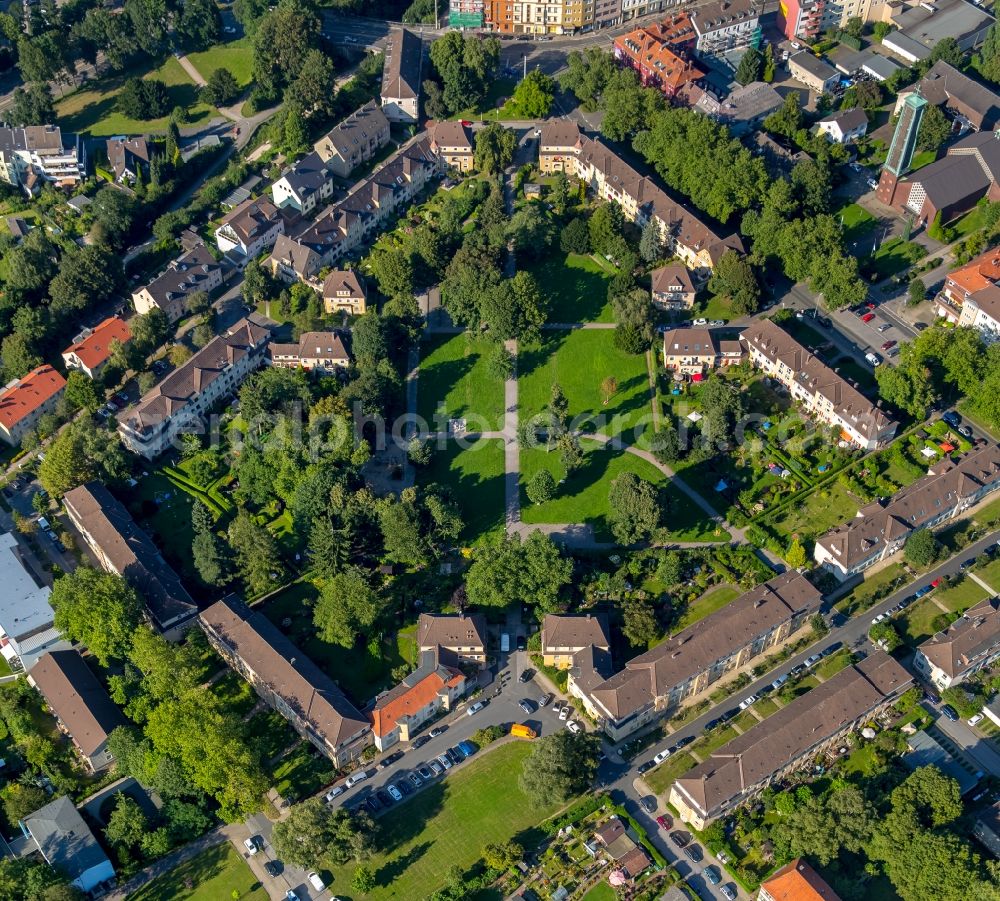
(655, 683)
(287, 680)
(965, 284)
(661, 53)
(466, 13)
(34, 154)
(809, 18)
(452, 142)
(458, 639)
(817, 75)
(354, 141)
(788, 740)
(727, 25)
(881, 528)
(188, 393)
(696, 351)
(249, 230)
(563, 637)
(344, 292)
(432, 688)
(91, 350)
(196, 272)
(304, 186)
(968, 645)
(25, 400)
(824, 394)
(291, 260)
(672, 288)
(322, 352)
(401, 78)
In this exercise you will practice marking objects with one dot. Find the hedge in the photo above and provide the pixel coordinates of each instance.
(582, 808)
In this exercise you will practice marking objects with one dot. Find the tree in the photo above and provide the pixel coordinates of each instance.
(947, 49)
(18, 356)
(650, 246)
(199, 24)
(541, 487)
(751, 67)
(313, 831)
(464, 65)
(634, 510)
(79, 453)
(533, 96)
(917, 291)
(639, 624)
(115, 212)
(495, 147)
(921, 548)
(586, 75)
(560, 766)
(401, 533)
(314, 88)
(294, 131)
(499, 363)
(81, 393)
(127, 825)
(282, 39)
(734, 278)
(885, 635)
(575, 236)
(606, 225)
(989, 55)
(795, 557)
(20, 799)
(609, 387)
(208, 553)
(767, 75)
(393, 269)
(143, 98)
(363, 880)
(98, 609)
(346, 606)
(666, 446)
(506, 569)
(502, 855)
(881, 29)
(256, 552)
(221, 88)
(31, 104)
(934, 129)
(530, 231)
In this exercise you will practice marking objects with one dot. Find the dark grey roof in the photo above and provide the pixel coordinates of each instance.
(308, 175)
(812, 64)
(945, 85)
(847, 119)
(184, 276)
(64, 839)
(403, 59)
(952, 180)
(361, 127)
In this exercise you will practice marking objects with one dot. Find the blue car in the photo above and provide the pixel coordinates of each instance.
(468, 748)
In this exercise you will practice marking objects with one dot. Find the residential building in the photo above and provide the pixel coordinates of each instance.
(195, 272)
(290, 260)
(26, 629)
(788, 740)
(744, 109)
(457, 639)
(654, 684)
(844, 126)
(322, 352)
(626, 854)
(287, 680)
(796, 881)
(304, 186)
(968, 645)
(814, 73)
(633, 9)
(695, 351)
(25, 400)
(921, 26)
(545, 16)
(881, 528)
(672, 287)
(129, 158)
(34, 154)
(779, 159)
(343, 291)
(970, 104)
(558, 146)
(82, 708)
(67, 845)
(430, 689)
(466, 14)
(808, 19)
(91, 350)
(563, 637)
(354, 141)
(927, 749)
(401, 79)
(977, 275)
(377, 200)
(820, 390)
(119, 546)
(726, 25)
(987, 829)
(661, 53)
(952, 185)
(981, 311)
(249, 230)
(452, 142)
(188, 393)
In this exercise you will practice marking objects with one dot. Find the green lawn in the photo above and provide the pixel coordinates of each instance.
(990, 574)
(576, 287)
(668, 772)
(92, 110)
(580, 361)
(970, 222)
(601, 892)
(475, 476)
(857, 222)
(962, 596)
(448, 824)
(302, 772)
(454, 379)
(216, 873)
(862, 597)
(923, 158)
(862, 374)
(237, 57)
(818, 512)
(833, 664)
(893, 256)
(714, 306)
(709, 602)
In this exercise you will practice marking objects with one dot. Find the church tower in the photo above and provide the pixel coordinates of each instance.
(904, 143)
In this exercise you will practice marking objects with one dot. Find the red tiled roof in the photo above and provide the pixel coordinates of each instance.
(982, 272)
(798, 882)
(660, 50)
(401, 703)
(96, 347)
(28, 394)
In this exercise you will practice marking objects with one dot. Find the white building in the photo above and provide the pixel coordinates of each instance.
(968, 645)
(67, 844)
(37, 153)
(26, 629)
(249, 230)
(845, 126)
(981, 311)
(305, 185)
(726, 25)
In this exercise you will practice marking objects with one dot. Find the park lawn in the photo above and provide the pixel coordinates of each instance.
(660, 779)
(962, 596)
(361, 671)
(217, 873)
(449, 823)
(863, 596)
(893, 256)
(580, 361)
(236, 56)
(474, 473)
(833, 664)
(601, 892)
(818, 512)
(92, 110)
(857, 222)
(919, 622)
(302, 772)
(454, 379)
(576, 287)
(709, 602)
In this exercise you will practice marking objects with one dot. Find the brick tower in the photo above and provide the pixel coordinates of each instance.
(904, 142)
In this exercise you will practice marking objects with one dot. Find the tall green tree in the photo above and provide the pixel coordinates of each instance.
(257, 558)
(97, 609)
(633, 508)
(561, 766)
(347, 606)
(495, 147)
(506, 569)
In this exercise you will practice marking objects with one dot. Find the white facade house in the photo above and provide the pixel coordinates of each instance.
(37, 153)
(968, 645)
(726, 25)
(845, 126)
(67, 844)
(249, 230)
(981, 311)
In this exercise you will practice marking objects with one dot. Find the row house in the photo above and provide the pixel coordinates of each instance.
(695, 351)
(195, 272)
(968, 645)
(92, 349)
(321, 352)
(452, 142)
(654, 684)
(537, 16)
(249, 230)
(25, 400)
(179, 403)
(354, 141)
(661, 54)
(381, 196)
(788, 740)
(287, 680)
(33, 154)
(672, 288)
(727, 25)
(563, 637)
(292, 261)
(880, 529)
(822, 392)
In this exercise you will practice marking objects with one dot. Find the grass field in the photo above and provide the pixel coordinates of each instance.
(448, 824)
(919, 622)
(454, 378)
(236, 56)
(601, 892)
(580, 361)
(819, 511)
(92, 110)
(962, 596)
(857, 222)
(302, 772)
(660, 779)
(862, 597)
(576, 286)
(216, 873)
(709, 602)
(893, 256)
(475, 475)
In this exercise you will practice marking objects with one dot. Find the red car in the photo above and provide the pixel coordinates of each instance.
(868, 317)
(870, 305)
(935, 583)
(664, 822)
(888, 344)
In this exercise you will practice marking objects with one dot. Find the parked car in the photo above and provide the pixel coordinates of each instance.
(574, 727)
(648, 804)
(444, 761)
(729, 891)
(888, 345)
(564, 713)
(386, 797)
(425, 772)
(318, 884)
(334, 792)
(291, 896)
(253, 844)
(813, 660)
(475, 708)
(952, 418)
(663, 755)
(544, 699)
(712, 875)
(526, 676)
(436, 767)
(781, 680)
(950, 713)
(420, 741)
(356, 778)
(521, 645)
(964, 431)
(975, 720)
(878, 619)
(436, 731)
(836, 646)
(373, 804)
(747, 702)
(526, 705)
(694, 852)
(700, 322)
(664, 822)
(455, 756)
(684, 742)
(272, 868)
(403, 787)
(680, 838)
(468, 748)
(415, 780)
(390, 760)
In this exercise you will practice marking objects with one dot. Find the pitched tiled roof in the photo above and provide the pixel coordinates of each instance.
(666, 278)
(252, 218)
(451, 134)
(122, 154)
(27, 394)
(973, 633)
(93, 350)
(184, 276)
(343, 280)
(313, 346)
(463, 630)
(412, 695)
(302, 260)
(661, 49)
(984, 270)
(559, 133)
(944, 84)
(306, 177)
(847, 119)
(797, 881)
(364, 125)
(559, 631)
(401, 76)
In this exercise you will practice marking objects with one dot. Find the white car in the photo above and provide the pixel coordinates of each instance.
(976, 720)
(564, 713)
(878, 619)
(396, 794)
(663, 755)
(334, 792)
(747, 702)
(252, 844)
(796, 45)
(700, 322)
(574, 727)
(812, 661)
(475, 708)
